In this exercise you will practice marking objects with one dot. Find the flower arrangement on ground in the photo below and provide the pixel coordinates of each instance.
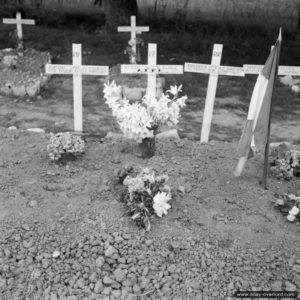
(285, 162)
(141, 120)
(146, 195)
(289, 204)
(61, 144)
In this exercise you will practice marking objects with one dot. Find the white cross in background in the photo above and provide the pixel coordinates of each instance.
(152, 69)
(134, 30)
(19, 21)
(77, 70)
(214, 70)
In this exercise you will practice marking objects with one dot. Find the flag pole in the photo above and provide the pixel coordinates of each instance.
(267, 147)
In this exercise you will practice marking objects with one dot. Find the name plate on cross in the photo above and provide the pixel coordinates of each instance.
(77, 70)
(289, 70)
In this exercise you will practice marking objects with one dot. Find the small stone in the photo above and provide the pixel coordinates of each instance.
(296, 268)
(181, 189)
(107, 291)
(290, 286)
(37, 130)
(119, 275)
(111, 252)
(100, 261)
(19, 91)
(33, 89)
(32, 203)
(195, 284)
(108, 281)
(56, 254)
(172, 268)
(277, 286)
(25, 227)
(296, 280)
(53, 297)
(98, 287)
(136, 289)
(116, 294)
(115, 160)
(28, 244)
(7, 252)
(10, 60)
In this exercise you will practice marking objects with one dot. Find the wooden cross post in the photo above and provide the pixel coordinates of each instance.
(152, 69)
(134, 30)
(19, 21)
(77, 70)
(214, 70)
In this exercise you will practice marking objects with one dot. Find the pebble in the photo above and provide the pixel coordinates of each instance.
(32, 203)
(119, 275)
(98, 287)
(290, 286)
(111, 252)
(296, 268)
(100, 261)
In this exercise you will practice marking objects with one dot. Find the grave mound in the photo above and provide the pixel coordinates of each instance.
(22, 73)
(134, 86)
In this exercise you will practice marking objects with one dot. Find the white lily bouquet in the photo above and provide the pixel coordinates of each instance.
(61, 144)
(146, 195)
(141, 120)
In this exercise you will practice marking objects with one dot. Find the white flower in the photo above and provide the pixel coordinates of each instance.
(174, 90)
(292, 196)
(294, 211)
(295, 89)
(137, 120)
(280, 202)
(56, 254)
(160, 205)
(291, 218)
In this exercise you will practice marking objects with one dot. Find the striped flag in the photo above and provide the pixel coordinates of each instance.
(256, 129)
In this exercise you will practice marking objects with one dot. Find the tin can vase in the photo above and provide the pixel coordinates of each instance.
(147, 147)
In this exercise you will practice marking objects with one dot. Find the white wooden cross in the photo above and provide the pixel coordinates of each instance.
(214, 70)
(77, 70)
(19, 21)
(152, 69)
(134, 30)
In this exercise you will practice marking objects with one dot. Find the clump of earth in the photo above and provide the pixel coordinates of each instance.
(22, 72)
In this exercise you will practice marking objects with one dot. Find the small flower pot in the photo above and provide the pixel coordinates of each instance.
(147, 147)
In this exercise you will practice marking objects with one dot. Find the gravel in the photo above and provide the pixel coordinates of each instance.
(117, 264)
